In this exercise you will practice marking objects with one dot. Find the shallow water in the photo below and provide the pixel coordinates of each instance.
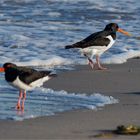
(46, 102)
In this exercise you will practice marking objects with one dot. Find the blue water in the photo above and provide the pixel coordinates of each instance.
(34, 33)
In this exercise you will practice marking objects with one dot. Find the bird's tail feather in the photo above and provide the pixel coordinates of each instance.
(76, 45)
(69, 47)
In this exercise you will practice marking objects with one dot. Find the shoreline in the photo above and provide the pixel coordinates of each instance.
(120, 81)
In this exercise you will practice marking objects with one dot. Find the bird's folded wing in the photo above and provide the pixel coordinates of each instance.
(28, 75)
(95, 39)
(99, 41)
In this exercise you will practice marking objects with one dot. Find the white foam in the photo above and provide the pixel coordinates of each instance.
(54, 14)
(50, 63)
(121, 58)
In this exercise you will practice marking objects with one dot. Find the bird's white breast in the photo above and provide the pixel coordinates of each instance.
(21, 85)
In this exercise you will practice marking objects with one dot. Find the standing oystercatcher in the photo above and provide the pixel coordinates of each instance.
(97, 43)
(24, 78)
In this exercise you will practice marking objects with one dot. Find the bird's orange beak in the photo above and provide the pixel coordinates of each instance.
(2, 69)
(124, 32)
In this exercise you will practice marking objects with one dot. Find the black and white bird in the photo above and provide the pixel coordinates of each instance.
(97, 43)
(24, 79)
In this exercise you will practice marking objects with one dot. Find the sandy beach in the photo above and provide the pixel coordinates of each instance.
(121, 81)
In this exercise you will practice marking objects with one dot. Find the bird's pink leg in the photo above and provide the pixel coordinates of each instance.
(19, 99)
(23, 100)
(90, 61)
(98, 64)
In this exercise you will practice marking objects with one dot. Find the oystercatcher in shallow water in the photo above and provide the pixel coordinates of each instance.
(24, 78)
(97, 43)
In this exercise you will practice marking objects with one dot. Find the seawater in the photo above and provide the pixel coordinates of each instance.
(47, 102)
(34, 33)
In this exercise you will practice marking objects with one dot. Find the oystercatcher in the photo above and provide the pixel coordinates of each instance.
(97, 43)
(24, 78)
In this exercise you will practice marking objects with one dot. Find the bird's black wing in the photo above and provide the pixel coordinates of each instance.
(28, 75)
(100, 41)
(95, 39)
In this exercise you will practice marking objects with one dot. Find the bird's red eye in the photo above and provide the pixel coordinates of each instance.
(8, 66)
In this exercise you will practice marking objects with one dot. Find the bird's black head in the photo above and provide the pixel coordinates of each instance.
(113, 27)
(9, 65)
(11, 71)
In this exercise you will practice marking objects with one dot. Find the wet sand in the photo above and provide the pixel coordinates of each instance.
(122, 81)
